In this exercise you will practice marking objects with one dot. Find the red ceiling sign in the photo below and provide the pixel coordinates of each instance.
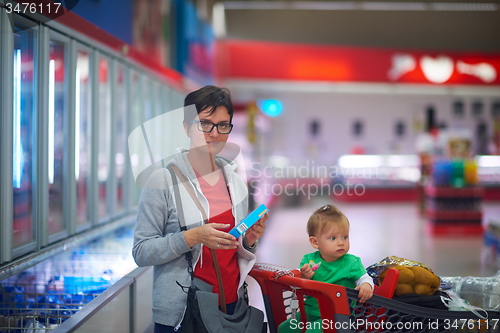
(302, 62)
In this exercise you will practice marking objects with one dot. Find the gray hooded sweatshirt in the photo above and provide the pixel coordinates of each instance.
(159, 242)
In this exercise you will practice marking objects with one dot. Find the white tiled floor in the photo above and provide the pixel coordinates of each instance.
(378, 230)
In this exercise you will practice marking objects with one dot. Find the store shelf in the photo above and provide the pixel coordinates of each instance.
(491, 250)
(491, 192)
(379, 194)
(454, 228)
(454, 192)
(452, 211)
(454, 215)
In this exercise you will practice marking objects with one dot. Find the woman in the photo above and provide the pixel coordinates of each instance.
(158, 240)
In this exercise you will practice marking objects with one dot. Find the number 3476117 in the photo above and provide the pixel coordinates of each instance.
(470, 323)
(30, 7)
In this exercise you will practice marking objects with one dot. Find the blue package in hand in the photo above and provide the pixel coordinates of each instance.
(249, 221)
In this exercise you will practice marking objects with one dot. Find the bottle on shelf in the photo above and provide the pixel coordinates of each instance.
(457, 176)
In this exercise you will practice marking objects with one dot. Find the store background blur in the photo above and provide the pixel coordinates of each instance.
(389, 110)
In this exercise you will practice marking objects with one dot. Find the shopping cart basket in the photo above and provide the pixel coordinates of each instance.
(341, 312)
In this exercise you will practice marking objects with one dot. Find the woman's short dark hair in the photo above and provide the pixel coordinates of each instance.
(207, 98)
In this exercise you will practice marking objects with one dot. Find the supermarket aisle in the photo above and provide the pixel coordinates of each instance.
(378, 230)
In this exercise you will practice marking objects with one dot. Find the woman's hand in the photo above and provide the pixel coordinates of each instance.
(365, 292)
(306, 271)
(256, 231)
(208, 235)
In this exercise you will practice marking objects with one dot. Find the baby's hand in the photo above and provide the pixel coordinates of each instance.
(365, 292)
(307, 271)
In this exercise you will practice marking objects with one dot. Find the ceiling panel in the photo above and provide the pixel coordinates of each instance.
(440, 30)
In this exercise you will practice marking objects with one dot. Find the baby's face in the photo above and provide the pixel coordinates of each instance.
(333, 242)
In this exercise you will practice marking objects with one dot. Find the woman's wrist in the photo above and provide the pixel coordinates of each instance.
(190, 237)
(248, 245)
(246, 242)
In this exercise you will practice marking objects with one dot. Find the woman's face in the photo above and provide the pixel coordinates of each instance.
(212, 141)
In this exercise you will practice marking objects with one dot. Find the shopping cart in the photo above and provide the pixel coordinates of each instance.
(341, 312)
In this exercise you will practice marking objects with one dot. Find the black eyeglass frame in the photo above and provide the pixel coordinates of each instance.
(213, 125)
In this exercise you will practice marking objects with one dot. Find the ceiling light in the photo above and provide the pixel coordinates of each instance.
(355, 5)
(406, 6)
(441, 6)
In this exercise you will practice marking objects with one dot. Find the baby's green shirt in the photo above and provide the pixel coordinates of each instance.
(343, 272)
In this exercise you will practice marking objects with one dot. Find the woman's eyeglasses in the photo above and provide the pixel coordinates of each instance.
(207, 127)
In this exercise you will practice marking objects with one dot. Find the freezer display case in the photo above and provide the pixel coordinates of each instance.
(401, 177)
(45, 295)
(377, 177)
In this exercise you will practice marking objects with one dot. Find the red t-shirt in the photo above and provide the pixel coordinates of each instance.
(220, 212)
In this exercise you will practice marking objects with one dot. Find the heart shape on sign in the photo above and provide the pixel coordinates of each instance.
(437, 70)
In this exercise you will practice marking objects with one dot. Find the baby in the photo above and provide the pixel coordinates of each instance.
(328, 230)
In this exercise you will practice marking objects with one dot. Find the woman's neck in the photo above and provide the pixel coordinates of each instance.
(203, 163)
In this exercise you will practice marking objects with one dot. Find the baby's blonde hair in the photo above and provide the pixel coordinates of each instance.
(326, 216)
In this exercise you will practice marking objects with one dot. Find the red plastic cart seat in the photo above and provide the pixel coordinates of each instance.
(332, 299)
